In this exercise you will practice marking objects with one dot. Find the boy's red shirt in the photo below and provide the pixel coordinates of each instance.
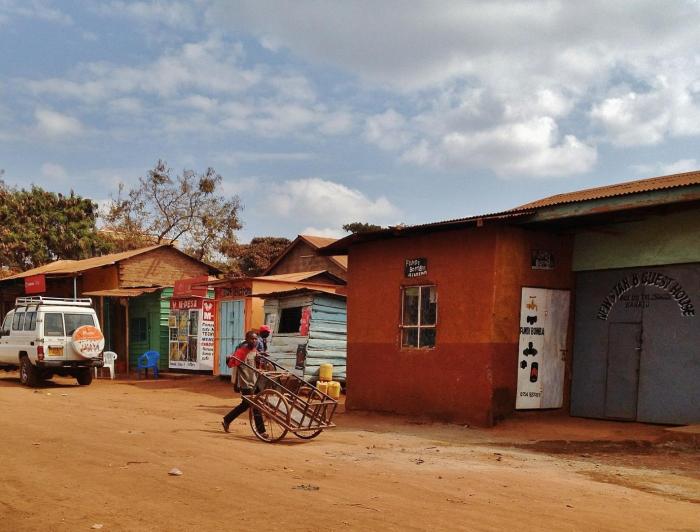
(239, 355)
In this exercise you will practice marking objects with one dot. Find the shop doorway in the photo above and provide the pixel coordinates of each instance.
(231, 330)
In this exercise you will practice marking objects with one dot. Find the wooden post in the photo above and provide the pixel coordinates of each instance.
(126, 328)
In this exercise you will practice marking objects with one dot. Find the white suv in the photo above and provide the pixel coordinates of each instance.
(45, 336)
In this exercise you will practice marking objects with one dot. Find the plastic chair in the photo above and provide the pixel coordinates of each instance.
(148, 360)
(109, 357)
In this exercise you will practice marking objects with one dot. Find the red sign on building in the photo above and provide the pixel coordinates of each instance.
(36, 284)
(195, 286)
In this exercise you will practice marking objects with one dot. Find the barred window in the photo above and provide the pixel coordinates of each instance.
(418, 316)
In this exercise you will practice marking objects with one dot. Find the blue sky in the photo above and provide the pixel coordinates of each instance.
(322, 113)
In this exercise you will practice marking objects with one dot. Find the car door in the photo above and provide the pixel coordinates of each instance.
(54, 335)
(15, 339)
(6, 353)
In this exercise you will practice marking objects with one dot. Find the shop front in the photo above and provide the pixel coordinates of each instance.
(191, 329)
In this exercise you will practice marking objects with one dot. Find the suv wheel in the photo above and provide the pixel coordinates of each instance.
(28, 374)
(84, 377)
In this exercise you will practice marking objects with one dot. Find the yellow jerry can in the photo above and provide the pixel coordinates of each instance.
(334, 389)
(325, 372)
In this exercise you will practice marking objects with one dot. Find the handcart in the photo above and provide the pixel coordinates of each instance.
(287, 403)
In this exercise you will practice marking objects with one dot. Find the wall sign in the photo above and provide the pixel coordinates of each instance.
(542, 259)
(544, 317)
(673, 290)
(191, 332)
(232, 292)
(416, 267)
(35, 284)
(186, 287)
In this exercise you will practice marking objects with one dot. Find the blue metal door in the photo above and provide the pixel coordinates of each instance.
(231, 330)
(624, 347)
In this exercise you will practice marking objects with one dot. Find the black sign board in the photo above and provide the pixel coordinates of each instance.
(542, 259)
(416, 267)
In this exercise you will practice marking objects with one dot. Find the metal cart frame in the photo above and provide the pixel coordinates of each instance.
(287, 403)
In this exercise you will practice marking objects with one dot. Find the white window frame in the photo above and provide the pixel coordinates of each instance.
(418, 326)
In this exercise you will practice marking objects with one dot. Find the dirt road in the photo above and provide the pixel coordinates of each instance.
(73, 457)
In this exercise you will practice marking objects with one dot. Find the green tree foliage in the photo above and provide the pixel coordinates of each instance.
(253, 259)
(37, 227)
(189, 209)
(361, 227)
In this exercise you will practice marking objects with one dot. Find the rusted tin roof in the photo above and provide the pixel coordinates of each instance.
(619, 189)
(523, 211)
(67, 267)
(340, 292)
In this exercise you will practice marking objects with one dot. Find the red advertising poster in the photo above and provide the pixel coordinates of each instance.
(36, 284)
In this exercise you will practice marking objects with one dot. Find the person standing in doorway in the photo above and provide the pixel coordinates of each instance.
(263, 335)
(246, 352)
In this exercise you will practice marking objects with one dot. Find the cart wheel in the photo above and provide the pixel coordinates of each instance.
(274, 430)
(308, 435)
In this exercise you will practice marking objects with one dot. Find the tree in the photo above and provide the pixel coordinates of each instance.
(37, 227)
(361, 227)
(254, 258)
(188, 209)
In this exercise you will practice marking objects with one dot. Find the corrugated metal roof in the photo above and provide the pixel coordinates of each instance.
(292, 277)
(121, 292)
(620, 189)
(318, 241)
(300, 291)
(75, 266)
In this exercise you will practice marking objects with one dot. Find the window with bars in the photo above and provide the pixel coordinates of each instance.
(418, 316)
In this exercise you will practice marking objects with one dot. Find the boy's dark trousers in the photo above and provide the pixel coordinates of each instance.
(245, 405)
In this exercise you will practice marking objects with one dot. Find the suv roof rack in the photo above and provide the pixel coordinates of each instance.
(65, 301)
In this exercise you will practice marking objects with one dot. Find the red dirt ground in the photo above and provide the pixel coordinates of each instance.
(73, 457)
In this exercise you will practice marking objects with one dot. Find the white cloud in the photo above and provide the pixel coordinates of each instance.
(671, 108)
(470, 72)
(233, 187)
(329, 232)
(210, 66)
(32, 9)
(677, 167)
(174, 14)
(238, 157)
(387, 130)
(53, 172)
(200, 87)
(326, 204)
(54, 124)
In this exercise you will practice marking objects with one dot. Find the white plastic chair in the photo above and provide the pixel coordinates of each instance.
(109, 358)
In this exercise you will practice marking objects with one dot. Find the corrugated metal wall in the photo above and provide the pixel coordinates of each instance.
(325, 343)
(637, 344)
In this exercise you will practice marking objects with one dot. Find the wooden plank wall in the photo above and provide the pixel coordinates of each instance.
(160, 267)
(326, 342)
(327, 338)
(303, 258)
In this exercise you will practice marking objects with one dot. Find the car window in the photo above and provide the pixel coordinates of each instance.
(73, 321)
(19, 318)
(6, 324)
(30, 321)
(53, 324)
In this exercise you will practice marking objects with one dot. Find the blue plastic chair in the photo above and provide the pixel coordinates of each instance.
(148, 360)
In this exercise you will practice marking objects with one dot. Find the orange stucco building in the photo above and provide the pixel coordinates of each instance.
(476, 270)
